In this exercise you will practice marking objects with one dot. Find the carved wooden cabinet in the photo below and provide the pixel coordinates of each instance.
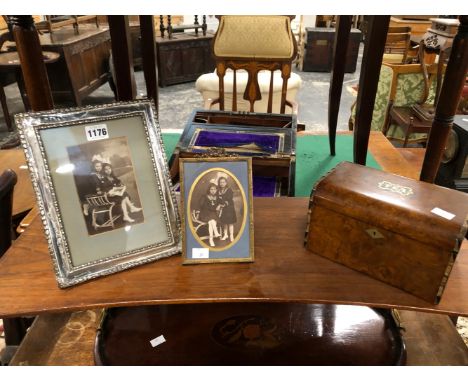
(84, 61)
(184, 57)
(318, 50)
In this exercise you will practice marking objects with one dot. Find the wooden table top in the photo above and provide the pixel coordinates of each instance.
(283, 270)
(414, 156)
(23, 196)
(11, 59)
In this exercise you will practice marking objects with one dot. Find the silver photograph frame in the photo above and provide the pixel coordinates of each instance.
(67, 274)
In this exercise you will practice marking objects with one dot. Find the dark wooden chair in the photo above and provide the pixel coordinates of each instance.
(416, 117)
(254, 44)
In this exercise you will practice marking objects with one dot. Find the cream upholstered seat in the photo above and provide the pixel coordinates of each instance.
(254, 57)
(208, 86)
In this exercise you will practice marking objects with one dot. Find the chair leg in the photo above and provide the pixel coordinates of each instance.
(111, 217)
(22, 90)
(388, 119)
(408, 132)
(94, 223)
(6, 113)
(387, 126)
(15, 329)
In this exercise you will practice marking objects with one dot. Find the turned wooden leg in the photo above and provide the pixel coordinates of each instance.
(408, 131)
(122, 57)
(148, 51)
(6, 113)
(343, 29)
(169, 26)
(450, 93)
(161, 25)
(388, 118)
(196, 23)
(204, 26)
(34, 73)
(368, 81)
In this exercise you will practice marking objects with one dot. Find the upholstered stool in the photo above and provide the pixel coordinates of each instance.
(253, 45)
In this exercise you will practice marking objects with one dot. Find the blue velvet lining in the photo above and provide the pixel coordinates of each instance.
(267, 143)
(264, 186)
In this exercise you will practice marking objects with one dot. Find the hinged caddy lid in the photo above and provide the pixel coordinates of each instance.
(422, 211)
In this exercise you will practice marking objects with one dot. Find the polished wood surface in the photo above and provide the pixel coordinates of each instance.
(27, 220)
(283, 269)
(246, 334)
(68, 339)
(452, 87)
(386, 155)
(409, 247)
(343, 28)
(414, 156)
(368, 81)
(23, 198)
(11, 59)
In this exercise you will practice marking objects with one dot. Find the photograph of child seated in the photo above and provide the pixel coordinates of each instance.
(217, 209)
(106, 184)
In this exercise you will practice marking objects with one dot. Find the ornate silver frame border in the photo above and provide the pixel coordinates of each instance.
(29, 126)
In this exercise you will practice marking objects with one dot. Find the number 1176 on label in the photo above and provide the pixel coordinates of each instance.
(96, 132)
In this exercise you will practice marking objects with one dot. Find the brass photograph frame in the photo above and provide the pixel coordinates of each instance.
(31, 124)
(186, 204)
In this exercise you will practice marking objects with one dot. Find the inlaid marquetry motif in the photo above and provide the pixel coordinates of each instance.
(249, 332)
(396, 188)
